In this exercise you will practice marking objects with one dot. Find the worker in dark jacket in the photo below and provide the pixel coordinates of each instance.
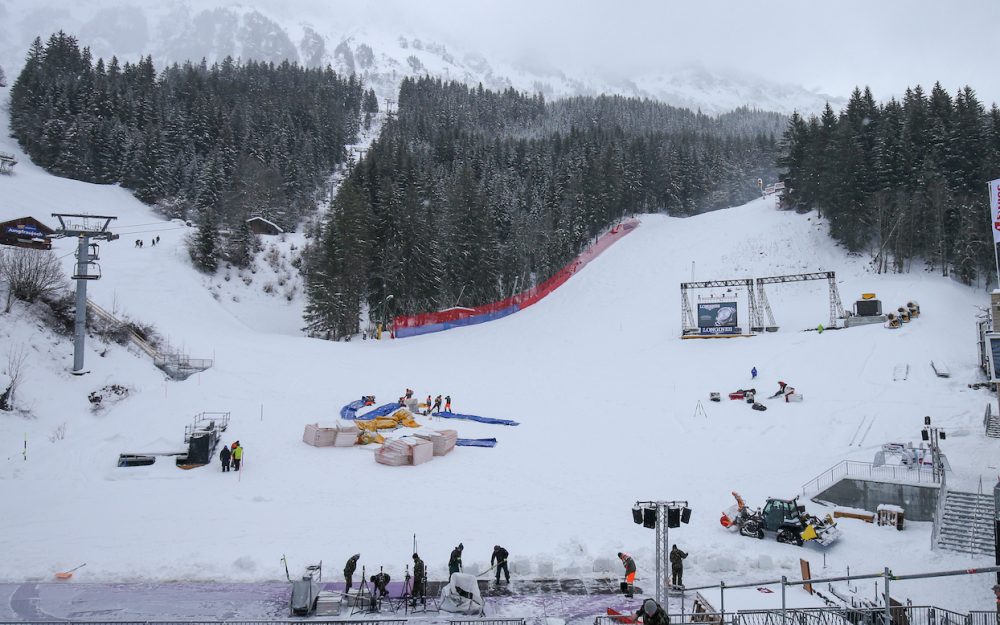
(224, 456)
(455, 561)
(677, 565)
(499, 560)
(629, 564)
(652, 613)
(419, 581)
(349, 568)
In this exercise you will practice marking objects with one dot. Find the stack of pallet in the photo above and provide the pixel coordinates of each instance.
(443, 440)
(320, 435)
(394, 453)
(347, 434)
(408, 450)
(344, 434)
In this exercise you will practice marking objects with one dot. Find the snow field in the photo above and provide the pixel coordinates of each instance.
(596, 374)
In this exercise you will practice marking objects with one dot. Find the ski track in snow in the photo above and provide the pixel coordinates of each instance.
(603, 388)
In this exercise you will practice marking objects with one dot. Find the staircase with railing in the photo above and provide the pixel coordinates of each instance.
(175, 364)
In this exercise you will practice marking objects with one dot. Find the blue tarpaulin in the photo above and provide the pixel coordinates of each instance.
(472, 417)
(476, 442)
(350, 411)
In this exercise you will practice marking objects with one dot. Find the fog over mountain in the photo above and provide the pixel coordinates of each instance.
(375, 49)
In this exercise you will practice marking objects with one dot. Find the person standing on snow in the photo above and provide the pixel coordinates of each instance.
(677, 566)
(447, 403)
(437, 404)
(237, 456)
(349, 568)
(499, 559)
(419, 581)
(224, 456)
(629, 565)
(455, 561)
(753, 373)
(428, 404)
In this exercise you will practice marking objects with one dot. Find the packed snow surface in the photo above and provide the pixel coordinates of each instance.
(603, 388)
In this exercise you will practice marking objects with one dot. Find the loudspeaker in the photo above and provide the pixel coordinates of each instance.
(637, 515)
(924, 434)
(686, 515)
(673, 517)
(941, 435)
(649, 518)
(927, 420)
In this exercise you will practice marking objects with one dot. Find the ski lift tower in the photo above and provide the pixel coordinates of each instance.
(84, 228)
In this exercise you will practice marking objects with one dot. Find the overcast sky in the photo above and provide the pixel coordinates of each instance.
(832, 46)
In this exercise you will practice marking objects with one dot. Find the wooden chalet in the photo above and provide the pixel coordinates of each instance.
(26, 232)
(259, 225)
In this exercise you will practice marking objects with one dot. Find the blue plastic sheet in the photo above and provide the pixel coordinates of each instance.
(350, 411)
(472, 417)
(476, 442)
(402, 333)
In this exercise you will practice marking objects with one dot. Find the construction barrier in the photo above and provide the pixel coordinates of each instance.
(425, 323)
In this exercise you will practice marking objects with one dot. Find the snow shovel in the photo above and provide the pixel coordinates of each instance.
(68, 574)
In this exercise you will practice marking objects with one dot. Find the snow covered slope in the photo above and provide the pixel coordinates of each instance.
(596, 374)
(189, 30)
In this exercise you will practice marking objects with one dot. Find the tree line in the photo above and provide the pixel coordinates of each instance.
(470, 195)
(215, 144)
(904, 180)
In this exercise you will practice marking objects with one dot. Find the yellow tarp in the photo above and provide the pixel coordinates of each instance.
(401, 417)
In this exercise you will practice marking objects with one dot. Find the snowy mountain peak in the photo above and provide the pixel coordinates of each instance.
(181, 31)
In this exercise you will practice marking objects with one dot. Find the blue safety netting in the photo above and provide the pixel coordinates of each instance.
(402, 333)
(350, 411)
(476, 442)
(472, 417)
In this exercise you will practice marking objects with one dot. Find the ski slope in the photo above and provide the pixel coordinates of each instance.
(603, 388)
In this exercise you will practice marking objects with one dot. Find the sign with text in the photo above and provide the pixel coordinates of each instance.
(717, 315)
(995, 209)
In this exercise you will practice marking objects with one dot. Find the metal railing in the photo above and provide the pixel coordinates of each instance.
(939, 508)
(981, 617)
(487, 621)
(904, 474)
(987, 417)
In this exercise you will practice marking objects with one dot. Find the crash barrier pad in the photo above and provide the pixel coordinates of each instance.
(413, 325)
(402, 417)
(350, 411)
(472, 417)
(476, 442)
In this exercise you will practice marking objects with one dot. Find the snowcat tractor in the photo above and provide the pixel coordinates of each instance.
(788, 520)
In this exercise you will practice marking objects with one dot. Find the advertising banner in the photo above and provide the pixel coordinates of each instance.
(995, 209)
(717, 318)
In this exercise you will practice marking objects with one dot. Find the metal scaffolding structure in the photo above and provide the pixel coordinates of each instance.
(761, 315)
(85, 228)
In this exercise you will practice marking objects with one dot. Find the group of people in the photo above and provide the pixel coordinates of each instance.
(676, 570)
(430, 406)
(153, 241)
(380, 581)
(231, 454)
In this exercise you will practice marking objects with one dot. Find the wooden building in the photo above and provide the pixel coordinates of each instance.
(259, 225)
(26, 232)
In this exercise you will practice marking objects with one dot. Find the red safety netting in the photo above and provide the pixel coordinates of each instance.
(525, 298)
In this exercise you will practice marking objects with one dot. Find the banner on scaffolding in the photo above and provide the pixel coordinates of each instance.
(717, 318)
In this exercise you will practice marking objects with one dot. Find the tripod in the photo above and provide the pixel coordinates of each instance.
(359, 598)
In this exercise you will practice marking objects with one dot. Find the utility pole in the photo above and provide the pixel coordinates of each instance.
(668, 514)
(87, 254)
